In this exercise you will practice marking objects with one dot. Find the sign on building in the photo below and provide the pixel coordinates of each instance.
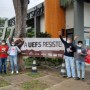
(42, 44)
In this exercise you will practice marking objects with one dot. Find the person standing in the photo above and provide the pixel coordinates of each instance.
(69, 56)
(18, 42)
(80, 59)
(3, 56)
(13, 52)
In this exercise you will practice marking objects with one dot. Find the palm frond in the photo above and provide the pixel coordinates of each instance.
(65, 3)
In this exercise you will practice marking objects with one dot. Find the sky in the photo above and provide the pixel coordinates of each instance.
(7, 9)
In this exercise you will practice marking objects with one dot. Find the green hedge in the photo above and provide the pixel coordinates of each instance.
(49, 61)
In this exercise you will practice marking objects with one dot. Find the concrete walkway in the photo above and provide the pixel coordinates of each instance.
(11, 87)
(50, 78)
(71, 85)
(55, 82)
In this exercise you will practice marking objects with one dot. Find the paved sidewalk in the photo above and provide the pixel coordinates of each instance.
(11, 87)
(71, 85)
(50, 78)
(55, 82)
(18, 79)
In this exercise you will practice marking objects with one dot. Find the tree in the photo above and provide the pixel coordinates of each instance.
(65, 3)
(20, 7)
(2, 22)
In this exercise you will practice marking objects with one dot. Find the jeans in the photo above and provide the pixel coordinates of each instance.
(80, 66)
(3, 63)
(13, 61)
(70, 66)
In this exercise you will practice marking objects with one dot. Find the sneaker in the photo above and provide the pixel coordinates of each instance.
(17, 72)
(77, 78)
(12, 72)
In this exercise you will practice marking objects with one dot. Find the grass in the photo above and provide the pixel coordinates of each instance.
(3, 83)
(5, 75)
(36, 75)
(9, 74)
(34, 85)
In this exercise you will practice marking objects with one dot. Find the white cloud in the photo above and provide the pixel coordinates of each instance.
(34, 3)
(7, 9)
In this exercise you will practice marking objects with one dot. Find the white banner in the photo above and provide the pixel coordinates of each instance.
(42, 44)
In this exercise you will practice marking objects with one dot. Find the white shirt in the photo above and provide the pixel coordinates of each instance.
(13, 50)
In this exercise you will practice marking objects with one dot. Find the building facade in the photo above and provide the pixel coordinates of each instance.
(45, 17)
(51, 17)
(70, 15)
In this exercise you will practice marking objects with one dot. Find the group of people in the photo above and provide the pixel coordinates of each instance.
(74, 56)
(74, 52)
(9, 50)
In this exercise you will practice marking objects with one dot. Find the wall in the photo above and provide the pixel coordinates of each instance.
(87, 15)
(54, 17)
(70, 17)
(42, 24)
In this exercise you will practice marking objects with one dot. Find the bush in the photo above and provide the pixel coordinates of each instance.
(28, 61)
(43, 35)
(30, 32)
(54, 61)
(47, 61)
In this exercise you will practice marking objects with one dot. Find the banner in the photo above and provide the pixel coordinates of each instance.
(42, 44)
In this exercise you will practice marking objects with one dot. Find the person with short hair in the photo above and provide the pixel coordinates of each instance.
(69, 56)
(3, 55)
(80, 59)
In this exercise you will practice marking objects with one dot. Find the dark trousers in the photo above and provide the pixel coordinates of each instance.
(3, 64)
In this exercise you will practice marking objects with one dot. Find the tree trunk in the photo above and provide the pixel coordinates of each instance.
(20, 7)
(21, 16)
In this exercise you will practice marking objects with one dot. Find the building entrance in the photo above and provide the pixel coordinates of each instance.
(70, 33)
